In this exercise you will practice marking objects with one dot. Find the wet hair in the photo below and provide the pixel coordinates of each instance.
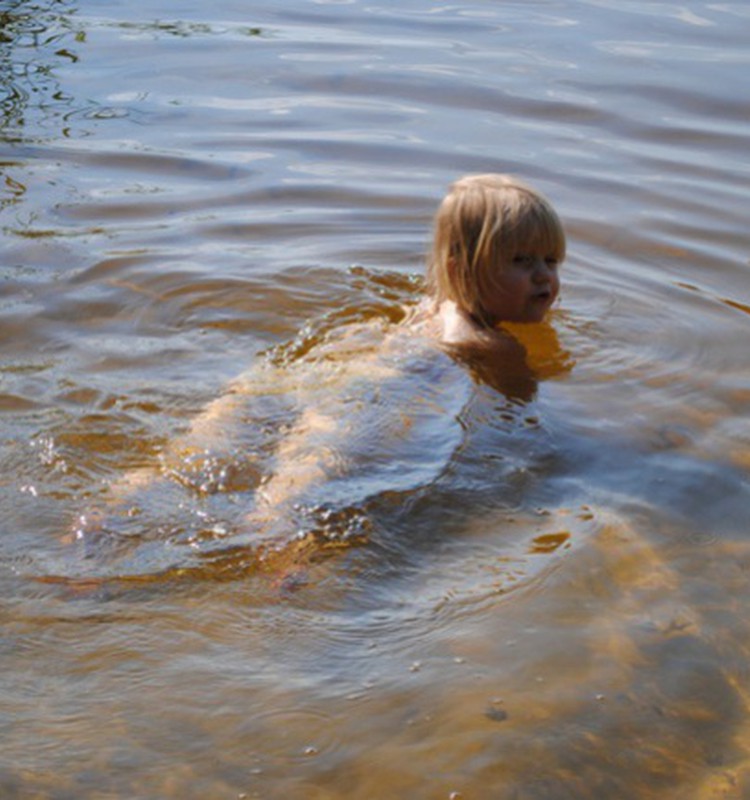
(482, 224)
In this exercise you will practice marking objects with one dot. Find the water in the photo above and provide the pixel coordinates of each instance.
(537, 586)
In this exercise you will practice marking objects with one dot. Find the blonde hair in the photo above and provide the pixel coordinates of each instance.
(482, 224)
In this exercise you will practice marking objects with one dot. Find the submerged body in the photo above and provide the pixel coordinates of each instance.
(286, 464)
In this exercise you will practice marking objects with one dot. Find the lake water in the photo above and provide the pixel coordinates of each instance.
(538, 586)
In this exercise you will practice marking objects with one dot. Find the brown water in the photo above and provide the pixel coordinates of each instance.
(527, 586)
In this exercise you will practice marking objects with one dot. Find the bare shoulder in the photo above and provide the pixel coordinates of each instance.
(454, 329)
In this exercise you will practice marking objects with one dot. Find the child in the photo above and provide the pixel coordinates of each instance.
(374, 409)
(496, 251)
(497, 247)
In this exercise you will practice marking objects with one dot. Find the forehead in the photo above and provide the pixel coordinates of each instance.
(534, 233)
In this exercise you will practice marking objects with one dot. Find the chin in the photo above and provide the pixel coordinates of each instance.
(538, 314)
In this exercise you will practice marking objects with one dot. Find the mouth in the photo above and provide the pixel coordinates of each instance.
(542, 296)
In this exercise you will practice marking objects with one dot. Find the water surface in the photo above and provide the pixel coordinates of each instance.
(536, 587)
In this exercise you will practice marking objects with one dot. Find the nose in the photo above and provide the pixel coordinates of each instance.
(542, 271)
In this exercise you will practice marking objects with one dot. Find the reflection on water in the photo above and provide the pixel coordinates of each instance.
(525, 580)
(35, 38)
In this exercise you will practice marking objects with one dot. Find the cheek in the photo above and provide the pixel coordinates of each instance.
(515, 281)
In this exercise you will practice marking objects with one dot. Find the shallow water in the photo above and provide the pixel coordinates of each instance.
(537, 585)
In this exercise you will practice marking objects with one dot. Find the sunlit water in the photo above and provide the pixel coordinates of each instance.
(519, 583)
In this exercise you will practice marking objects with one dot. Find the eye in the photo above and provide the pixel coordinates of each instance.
(552, 262)
(523, 260)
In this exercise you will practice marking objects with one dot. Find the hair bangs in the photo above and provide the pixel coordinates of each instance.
(536, 230)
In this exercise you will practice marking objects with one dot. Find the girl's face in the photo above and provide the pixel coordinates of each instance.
(524, 290)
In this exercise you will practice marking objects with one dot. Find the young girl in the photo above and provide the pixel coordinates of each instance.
(496, 251)
(373, 409)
